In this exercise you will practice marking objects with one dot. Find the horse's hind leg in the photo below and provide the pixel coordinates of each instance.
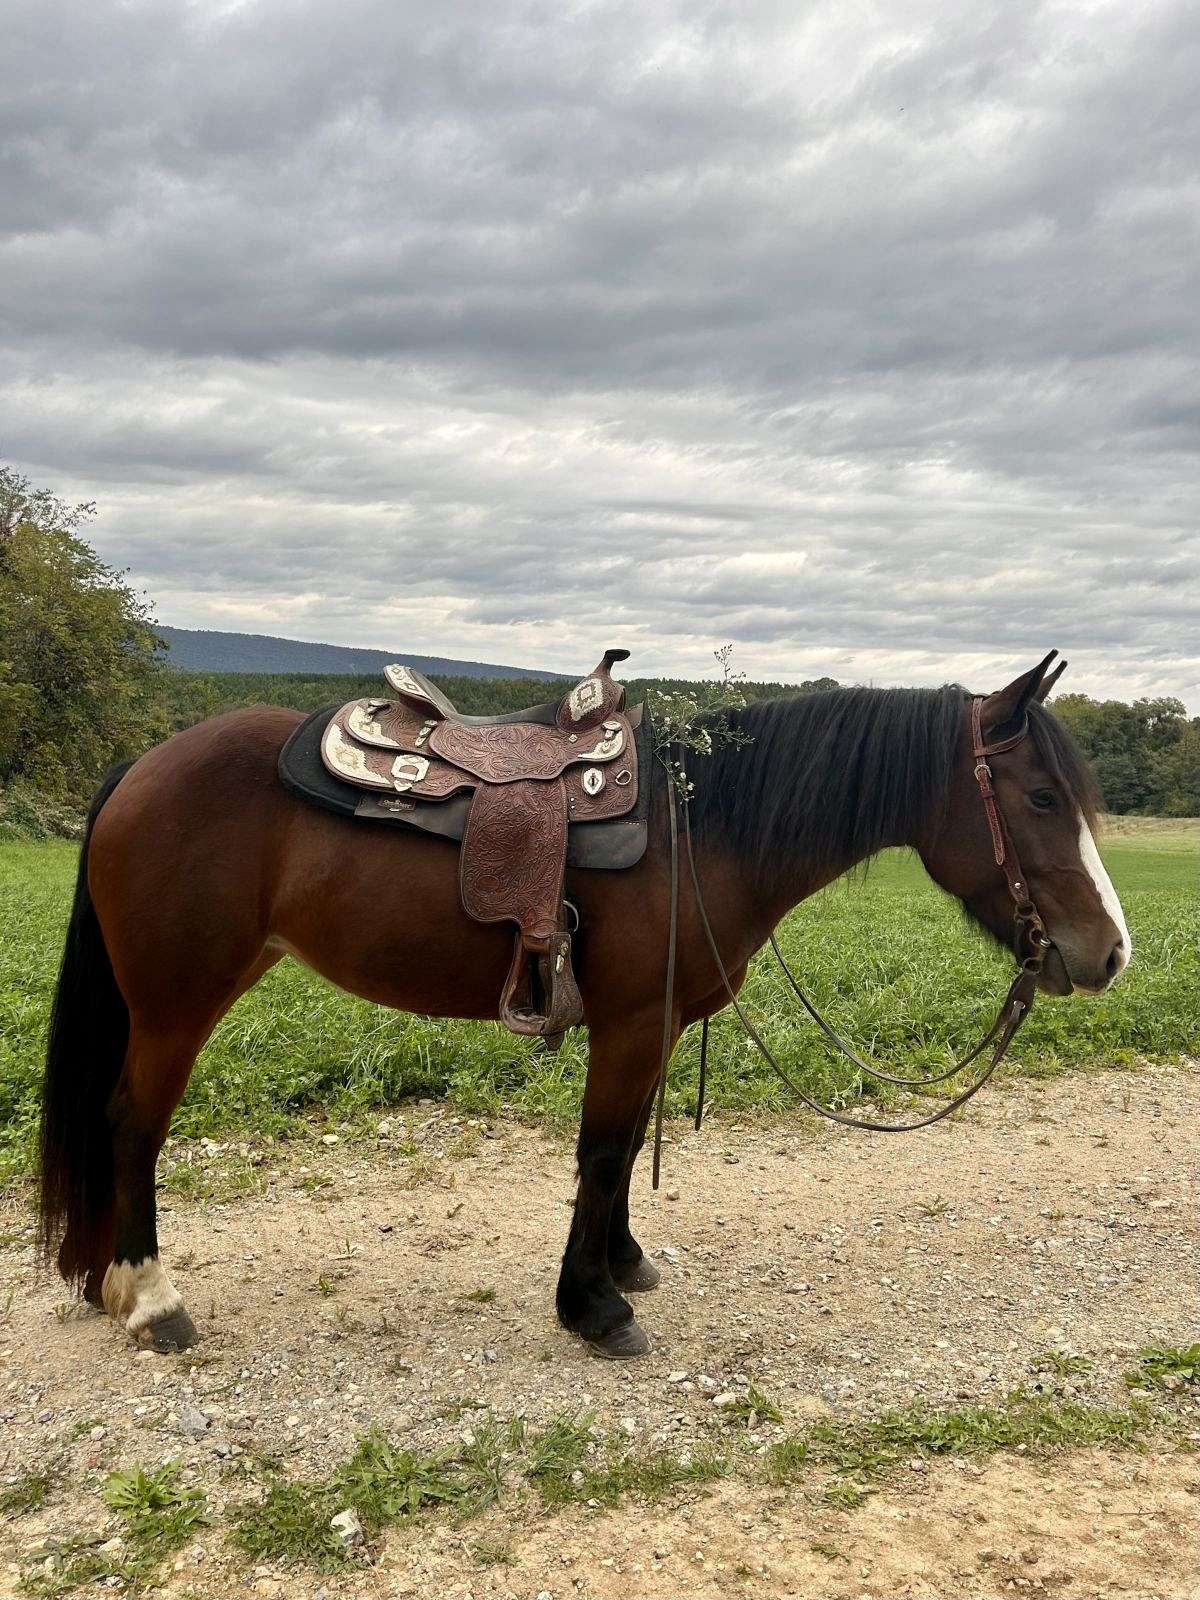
(134, 1287)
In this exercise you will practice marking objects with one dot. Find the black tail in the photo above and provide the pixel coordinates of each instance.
(89, 1032)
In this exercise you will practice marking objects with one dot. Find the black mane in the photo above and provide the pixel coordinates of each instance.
(835, 776)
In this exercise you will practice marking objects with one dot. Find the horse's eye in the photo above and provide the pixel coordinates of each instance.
(1043, 799)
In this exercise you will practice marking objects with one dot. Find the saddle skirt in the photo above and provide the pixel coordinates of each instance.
(527, 783)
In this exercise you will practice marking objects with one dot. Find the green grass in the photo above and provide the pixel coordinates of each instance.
(1166, 1366)
(860, 1453)
(158, 1515)
(886, 957)
(566, 1462)
(29, 1493)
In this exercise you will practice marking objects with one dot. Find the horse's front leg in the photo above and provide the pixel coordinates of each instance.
(622, 1072)
(630, 1268)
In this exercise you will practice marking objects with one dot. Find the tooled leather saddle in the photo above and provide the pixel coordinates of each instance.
(530, 783)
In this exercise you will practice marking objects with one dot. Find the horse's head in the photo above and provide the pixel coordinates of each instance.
(1048, 803)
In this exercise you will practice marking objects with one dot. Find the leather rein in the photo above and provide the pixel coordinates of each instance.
(1030, 943)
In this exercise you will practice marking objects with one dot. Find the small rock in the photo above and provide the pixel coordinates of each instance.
(192, 1422)
(347, 1527)
(727, 1398)
(329, 1138)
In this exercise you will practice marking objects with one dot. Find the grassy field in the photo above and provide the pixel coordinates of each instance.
(887, 958)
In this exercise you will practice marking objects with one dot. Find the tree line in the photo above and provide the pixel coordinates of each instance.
(85, 681)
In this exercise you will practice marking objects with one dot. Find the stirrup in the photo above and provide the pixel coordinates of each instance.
(541, 970)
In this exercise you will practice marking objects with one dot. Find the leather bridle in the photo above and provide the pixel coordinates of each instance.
(1030, 931)
(1030, 943)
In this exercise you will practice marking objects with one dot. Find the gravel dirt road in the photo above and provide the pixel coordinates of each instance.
(838, 1273)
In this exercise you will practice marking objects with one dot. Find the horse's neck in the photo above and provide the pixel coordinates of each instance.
(815, 832)
(745, 906)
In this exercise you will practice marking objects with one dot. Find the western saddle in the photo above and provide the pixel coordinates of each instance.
(529, 779)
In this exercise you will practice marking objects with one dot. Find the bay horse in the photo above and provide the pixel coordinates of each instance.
(199, 871)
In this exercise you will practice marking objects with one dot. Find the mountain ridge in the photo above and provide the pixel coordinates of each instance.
(218, 650)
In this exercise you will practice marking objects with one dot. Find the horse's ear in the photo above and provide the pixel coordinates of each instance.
(1004, 712)
(1048, 683)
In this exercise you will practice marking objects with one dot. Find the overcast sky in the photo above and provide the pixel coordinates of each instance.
(863, 336)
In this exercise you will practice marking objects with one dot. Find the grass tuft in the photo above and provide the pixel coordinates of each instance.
(750, 1409)
(158, 1516)
(862, 1451)
(1166, 1366)
(1063, 1363)
(29, 1493)
(289, 1527)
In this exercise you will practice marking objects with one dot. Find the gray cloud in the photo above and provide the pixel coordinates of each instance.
(867, 341)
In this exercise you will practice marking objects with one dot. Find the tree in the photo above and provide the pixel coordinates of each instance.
(80, 678)
(1144, 754)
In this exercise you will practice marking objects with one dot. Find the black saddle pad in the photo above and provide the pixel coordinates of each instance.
(617, 842)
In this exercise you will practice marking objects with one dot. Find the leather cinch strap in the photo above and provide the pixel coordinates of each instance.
(1030, 942)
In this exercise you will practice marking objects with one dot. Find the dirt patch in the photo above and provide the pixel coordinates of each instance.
(837, 1273)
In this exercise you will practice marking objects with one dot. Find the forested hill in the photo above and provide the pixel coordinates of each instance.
(206, 650)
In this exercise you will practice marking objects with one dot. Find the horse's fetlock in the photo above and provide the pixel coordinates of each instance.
(139, 1294)
(590, 1307)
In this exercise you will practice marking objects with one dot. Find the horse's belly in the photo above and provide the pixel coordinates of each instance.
(379, 914)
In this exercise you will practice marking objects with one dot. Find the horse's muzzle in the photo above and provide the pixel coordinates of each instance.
(1054, 977)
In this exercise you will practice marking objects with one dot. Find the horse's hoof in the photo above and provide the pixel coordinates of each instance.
(625, 1343)
(637, 1276)
(176, 1331)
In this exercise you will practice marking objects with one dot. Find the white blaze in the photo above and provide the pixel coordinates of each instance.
(1104, 888)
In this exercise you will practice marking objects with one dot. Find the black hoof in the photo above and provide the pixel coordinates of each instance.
(635, 1276)
(625, 1343)
(176, 1331)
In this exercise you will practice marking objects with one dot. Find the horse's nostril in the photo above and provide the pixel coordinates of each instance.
(1116, 960)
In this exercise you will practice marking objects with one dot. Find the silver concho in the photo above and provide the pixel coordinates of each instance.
(407, 770)
(592, 781)
(610, 743)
